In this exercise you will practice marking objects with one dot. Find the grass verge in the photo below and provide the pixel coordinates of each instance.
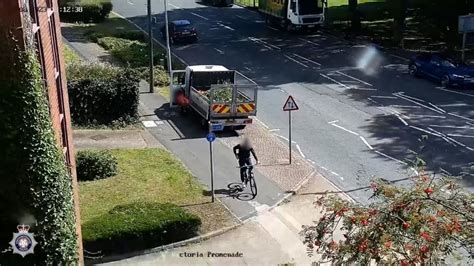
(70, 55)
(150, 175)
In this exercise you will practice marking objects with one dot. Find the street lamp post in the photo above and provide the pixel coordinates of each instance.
(150, 44)
(170, 67)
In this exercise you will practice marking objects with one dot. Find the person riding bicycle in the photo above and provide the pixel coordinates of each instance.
(243, 155)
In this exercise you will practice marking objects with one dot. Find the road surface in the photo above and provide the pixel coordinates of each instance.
(361, 115)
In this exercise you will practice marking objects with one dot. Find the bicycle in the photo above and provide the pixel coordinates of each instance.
(250, 178)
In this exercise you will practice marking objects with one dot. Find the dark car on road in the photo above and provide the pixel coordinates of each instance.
(180, 31)
(444, 69)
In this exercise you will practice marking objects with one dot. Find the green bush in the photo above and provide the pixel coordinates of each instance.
(102, 95)
(139, 226)
(132, 52)
(160, 76)
(93, 165)
(92, 10)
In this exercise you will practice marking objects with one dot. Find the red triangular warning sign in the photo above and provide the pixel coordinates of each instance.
(290, 104)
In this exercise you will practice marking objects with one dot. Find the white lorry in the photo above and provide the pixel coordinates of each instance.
(221, 97)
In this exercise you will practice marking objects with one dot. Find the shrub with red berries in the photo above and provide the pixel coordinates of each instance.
(416, 224)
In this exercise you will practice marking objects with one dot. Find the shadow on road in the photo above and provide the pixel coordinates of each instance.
(234, 190)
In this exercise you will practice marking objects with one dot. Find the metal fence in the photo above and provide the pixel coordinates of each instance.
(249, 3)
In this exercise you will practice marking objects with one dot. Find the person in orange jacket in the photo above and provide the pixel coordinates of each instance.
(182, 100)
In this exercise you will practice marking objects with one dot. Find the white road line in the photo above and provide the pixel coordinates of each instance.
(460, 116)
(335, 81)
(460, 136)
(177, 7)
(199, 16)
(384, 97)
(410, 97)
(220, 51)
(309, 60)
(240, 17)
(417, 103)
(405, 106)
(299, 150)
(399, 57)
(308, 41)
(457, 92)
(130, 3)
(334, 121)
(264, 42)
(324, 168)
(455, 127)
(248, 68)
(293, 142)
(391, 158)
(428, 116)
(345, 129)
(296, 61)
(272, 28)
(436, 107)
(443, 136)
(258, 120)
(366, 143)
(455, 105)
(257, 42)
(401, 119)
(274, 130)
(351, 77)
(426, 131)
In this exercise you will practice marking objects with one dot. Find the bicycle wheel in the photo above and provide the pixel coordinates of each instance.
(253, 185)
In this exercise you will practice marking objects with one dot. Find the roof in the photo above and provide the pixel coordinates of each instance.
(208, 68)
(181, 22)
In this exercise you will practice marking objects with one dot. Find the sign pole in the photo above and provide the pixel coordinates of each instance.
(150, 44)
(463, 45)
(212, 163)
(289, 133)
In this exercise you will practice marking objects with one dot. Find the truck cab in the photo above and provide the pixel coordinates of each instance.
(306, 13)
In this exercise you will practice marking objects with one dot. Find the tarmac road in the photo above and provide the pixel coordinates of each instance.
(361, 115)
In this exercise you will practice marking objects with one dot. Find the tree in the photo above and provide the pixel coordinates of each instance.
(422, 224)
(355, 15)
(399, 13)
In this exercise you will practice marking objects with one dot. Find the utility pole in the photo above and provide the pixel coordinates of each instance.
(150, 44)
(170, 67)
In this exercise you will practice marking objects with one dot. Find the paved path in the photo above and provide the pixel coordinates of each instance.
(111, 139)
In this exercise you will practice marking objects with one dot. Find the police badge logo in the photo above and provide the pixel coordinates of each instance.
(23, 243)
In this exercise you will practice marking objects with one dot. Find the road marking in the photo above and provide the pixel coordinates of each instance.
(405, 106)
(399, 57)
(299, 150)
(390, 157)
(296, 61)
(455, 105)
(248, 68)
(220, 51)
(272, 28)
(457, 92)
(366, 143)
(308, 41)
(401, 119)
(334, 121)
(309, 60)
(402, 96)
(443, 136)
(264, 43)
(345, 129)
(130, 3)
(351, 77)
(177, 7)
(426, 131)
(274, 130)
(460, 116)
(436, 107)
(258, 120)
(199, 16)
(149, 124)
(225, 26)
(240, 17)
(428, 116)
(383, 97)
(460, 136)
(408, 96)
(335, 81)
(455, 127)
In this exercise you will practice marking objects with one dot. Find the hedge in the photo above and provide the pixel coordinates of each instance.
(35, 184)
(103, 95)
(93, 165)
(92, 10)
(139, 226)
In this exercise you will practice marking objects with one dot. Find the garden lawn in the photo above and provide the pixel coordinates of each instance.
(70, 55)
(151, 175)
(346, 2)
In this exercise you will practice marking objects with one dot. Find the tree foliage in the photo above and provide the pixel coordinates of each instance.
(423, 223)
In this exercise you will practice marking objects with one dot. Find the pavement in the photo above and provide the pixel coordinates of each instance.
(113, 139)
(270, 238)
(361, 115)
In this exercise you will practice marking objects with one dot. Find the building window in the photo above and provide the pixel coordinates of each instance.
(33, 9)
(54, 43)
